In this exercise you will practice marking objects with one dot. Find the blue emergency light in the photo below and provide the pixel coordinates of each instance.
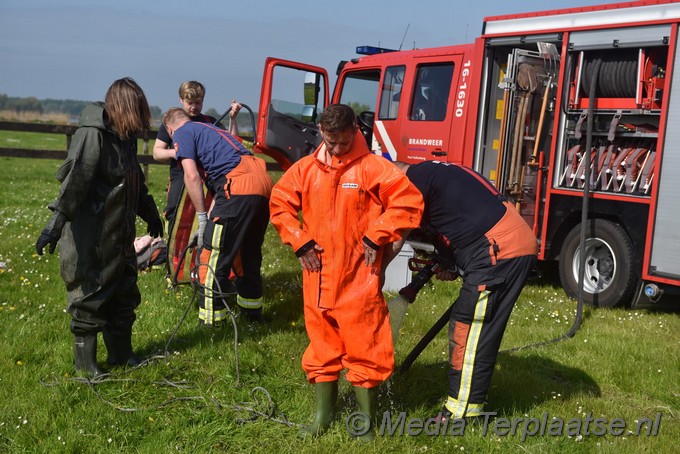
(372, 50)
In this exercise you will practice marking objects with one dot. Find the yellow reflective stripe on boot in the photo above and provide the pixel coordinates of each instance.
(460, 407)
(472, 409)
(249, 303)
(207, 313)
(211, 316)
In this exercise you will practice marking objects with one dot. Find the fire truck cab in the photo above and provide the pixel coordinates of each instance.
(569, 112)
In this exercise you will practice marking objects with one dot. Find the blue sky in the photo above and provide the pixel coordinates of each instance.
(74, 49)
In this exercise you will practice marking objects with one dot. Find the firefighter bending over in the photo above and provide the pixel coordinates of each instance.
(233, 234)
(191, 95)
(494, 250)
(354, 205)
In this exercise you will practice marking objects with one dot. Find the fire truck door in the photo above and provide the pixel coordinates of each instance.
(432, 128)
(665, 252)
(293, 94)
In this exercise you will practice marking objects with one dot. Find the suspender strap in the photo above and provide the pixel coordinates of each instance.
(228, 137)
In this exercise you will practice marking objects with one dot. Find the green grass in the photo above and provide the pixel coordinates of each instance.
(37, 141)
(621, 363)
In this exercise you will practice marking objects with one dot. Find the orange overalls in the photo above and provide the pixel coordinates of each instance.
(358, 195)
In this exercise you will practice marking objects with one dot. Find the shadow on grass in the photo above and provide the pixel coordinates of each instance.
(519, 384)
(282, 309)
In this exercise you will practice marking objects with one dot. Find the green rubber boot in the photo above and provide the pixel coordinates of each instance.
(119, 346)
(367, 400)
(326, 394)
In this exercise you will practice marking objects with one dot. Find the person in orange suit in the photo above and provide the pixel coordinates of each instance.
(355, 207)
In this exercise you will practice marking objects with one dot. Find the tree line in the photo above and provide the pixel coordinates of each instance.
(70, 107)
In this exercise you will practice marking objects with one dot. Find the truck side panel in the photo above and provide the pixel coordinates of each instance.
(665, 251)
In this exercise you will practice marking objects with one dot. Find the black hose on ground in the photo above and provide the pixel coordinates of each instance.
(587, 156)
(586, 200)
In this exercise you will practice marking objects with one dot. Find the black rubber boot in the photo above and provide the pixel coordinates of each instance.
(85, 355)
(367, 400)
(326, 395)
(119, 345)
(252, 315)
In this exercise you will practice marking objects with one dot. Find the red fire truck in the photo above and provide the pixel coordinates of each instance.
(567, 112)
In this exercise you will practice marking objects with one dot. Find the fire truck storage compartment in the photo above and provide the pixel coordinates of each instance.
(627, 66)
(518, 91)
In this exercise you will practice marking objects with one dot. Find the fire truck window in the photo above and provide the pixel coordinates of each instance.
(431, 92)
(360, 90)
(390, 95)
(297, 94)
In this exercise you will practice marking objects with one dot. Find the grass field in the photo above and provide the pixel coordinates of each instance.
(241, 388)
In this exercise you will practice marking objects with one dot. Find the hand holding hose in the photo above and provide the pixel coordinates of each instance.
(235, 108)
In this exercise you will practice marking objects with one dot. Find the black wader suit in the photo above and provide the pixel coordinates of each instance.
(102, 191)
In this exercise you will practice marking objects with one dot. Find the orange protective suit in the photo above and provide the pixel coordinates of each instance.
(359, 195)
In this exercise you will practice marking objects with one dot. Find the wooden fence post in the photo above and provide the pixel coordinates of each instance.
(145, 151)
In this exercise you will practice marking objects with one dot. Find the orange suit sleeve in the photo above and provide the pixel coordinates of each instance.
(402, 202)
(284, 207)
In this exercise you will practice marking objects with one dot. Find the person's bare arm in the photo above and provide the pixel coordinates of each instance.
(235, 109)
(193, 184)
(161, 152)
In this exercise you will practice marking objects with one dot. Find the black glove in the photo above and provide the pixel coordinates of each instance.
(51, 233)
(155, 228)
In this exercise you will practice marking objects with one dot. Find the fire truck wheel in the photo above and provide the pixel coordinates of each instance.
(611, 272)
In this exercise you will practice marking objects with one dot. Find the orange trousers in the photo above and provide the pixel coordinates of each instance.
(357, 338)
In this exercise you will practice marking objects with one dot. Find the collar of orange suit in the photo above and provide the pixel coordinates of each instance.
(359, 148)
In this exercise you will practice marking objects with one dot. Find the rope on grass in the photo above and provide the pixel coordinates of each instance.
(262, 405)
(197, 286)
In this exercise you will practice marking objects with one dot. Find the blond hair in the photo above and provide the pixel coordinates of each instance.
(191, 90)
(174, 116)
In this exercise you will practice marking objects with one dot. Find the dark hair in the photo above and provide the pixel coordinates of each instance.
(127, 108)
(337, 118)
